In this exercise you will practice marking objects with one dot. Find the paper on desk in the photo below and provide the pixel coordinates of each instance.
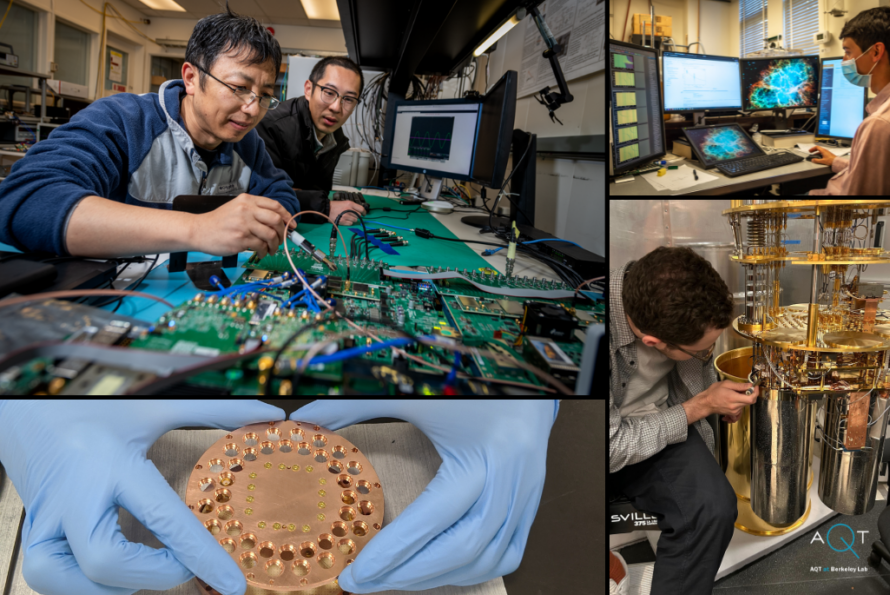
(840, 151)
(677, 179)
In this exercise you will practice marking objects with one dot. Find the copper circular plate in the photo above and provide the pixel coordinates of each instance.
(292, 502)
(852, 339)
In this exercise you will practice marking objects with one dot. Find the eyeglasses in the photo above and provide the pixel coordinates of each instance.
(245, 94)
(704, 355)
(329, 96)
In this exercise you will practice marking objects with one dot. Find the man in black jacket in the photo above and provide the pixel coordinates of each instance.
(303, 135)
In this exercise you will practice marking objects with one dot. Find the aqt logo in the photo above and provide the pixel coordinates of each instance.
(840, 538)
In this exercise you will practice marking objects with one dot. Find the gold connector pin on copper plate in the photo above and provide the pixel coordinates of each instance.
(292, 503)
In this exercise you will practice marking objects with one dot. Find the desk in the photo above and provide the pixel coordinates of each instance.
(725, 185)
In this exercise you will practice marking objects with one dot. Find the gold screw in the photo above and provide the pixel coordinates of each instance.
(296, 467)
(322, 493)
(291, 527)
(251, 487)
(320, 517)
(261, 524)
(322, 480)
(308, 468)
(276, 526)
(250, 498)
(305, 528)
(248, 511)
(321, 504)
(282, 466)
(252, 475)
(268, 465)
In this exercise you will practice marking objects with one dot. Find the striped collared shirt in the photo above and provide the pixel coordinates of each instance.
(635, 439)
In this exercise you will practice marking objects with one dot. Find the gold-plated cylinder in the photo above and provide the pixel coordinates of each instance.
(812, 324)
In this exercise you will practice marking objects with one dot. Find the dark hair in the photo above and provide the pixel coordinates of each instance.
(221, 33)
(869, 27)
(318, 70)
(676, 295)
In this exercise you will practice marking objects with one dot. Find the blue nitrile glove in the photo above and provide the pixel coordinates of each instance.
(471, 522)
(75, 462)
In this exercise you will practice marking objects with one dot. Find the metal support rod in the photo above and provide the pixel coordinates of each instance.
(813, 314)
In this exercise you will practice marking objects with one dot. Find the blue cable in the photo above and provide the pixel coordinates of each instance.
(348, 353)
(489, 252)
(453, 373)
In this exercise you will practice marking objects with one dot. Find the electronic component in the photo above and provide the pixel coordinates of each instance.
(103, 380)
(263, 310)
(112, 333)
(446, 331)
(548, 320)
(870, 291)
(316, 254)
(546, 354)
(258, 275)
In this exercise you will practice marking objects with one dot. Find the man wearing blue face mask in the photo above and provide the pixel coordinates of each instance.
(866, 42)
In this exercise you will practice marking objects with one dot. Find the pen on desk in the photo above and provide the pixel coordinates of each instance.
(695, 173)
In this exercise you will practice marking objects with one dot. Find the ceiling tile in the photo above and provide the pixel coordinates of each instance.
(279, 8)
(249, 8)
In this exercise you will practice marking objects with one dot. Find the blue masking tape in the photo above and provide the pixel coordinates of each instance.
(387, 249)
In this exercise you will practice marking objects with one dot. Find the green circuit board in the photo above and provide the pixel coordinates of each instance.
(230, 322)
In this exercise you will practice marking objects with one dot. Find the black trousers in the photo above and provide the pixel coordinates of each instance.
(684, 488)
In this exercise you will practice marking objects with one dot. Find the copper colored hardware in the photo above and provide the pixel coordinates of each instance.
(292, 503)
(857, 420)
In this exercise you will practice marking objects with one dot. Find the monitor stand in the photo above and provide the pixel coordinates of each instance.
(429, 187)
(698, 118)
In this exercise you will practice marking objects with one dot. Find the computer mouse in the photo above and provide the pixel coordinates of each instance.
(814, 155)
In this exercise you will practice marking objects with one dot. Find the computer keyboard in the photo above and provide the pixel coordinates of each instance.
(759, 163)
(355, 197)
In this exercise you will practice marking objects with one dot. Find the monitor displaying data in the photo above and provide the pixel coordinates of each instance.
(435, 137)
(773, 83)
(841, 103)
(637, 123)
(696, 82)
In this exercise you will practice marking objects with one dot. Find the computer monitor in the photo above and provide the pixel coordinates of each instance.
(436, 138)
(697, 83)
(720, 143)
(495, 131)
(782, 82)
(636, 121)
(839, 116)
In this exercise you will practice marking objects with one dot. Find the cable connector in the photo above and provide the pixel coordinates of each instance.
(423, 233)
(309, 248)
(511, 250)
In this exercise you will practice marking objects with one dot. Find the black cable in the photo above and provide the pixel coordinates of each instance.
(361, 220)
(120, 299)
(426, 234)
(414, 210)
(504, 185)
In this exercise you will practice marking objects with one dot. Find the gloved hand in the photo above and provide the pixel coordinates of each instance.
(74, 463)
(471, 522)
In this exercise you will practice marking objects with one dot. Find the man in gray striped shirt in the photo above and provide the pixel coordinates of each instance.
(666, 312)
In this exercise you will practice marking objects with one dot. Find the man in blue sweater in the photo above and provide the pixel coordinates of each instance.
(84, 190)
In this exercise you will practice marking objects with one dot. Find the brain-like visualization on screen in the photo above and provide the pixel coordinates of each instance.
(784, 83)
(725, 143)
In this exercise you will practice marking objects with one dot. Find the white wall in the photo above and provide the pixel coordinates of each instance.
(569, 193)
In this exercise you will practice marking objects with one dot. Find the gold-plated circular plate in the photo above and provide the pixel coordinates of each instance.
(851, 339)
(882, 330)
(784, 336)
(292, 502)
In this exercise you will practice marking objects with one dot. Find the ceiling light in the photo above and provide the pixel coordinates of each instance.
(163, 5)
(321, 9)
(514, 20)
